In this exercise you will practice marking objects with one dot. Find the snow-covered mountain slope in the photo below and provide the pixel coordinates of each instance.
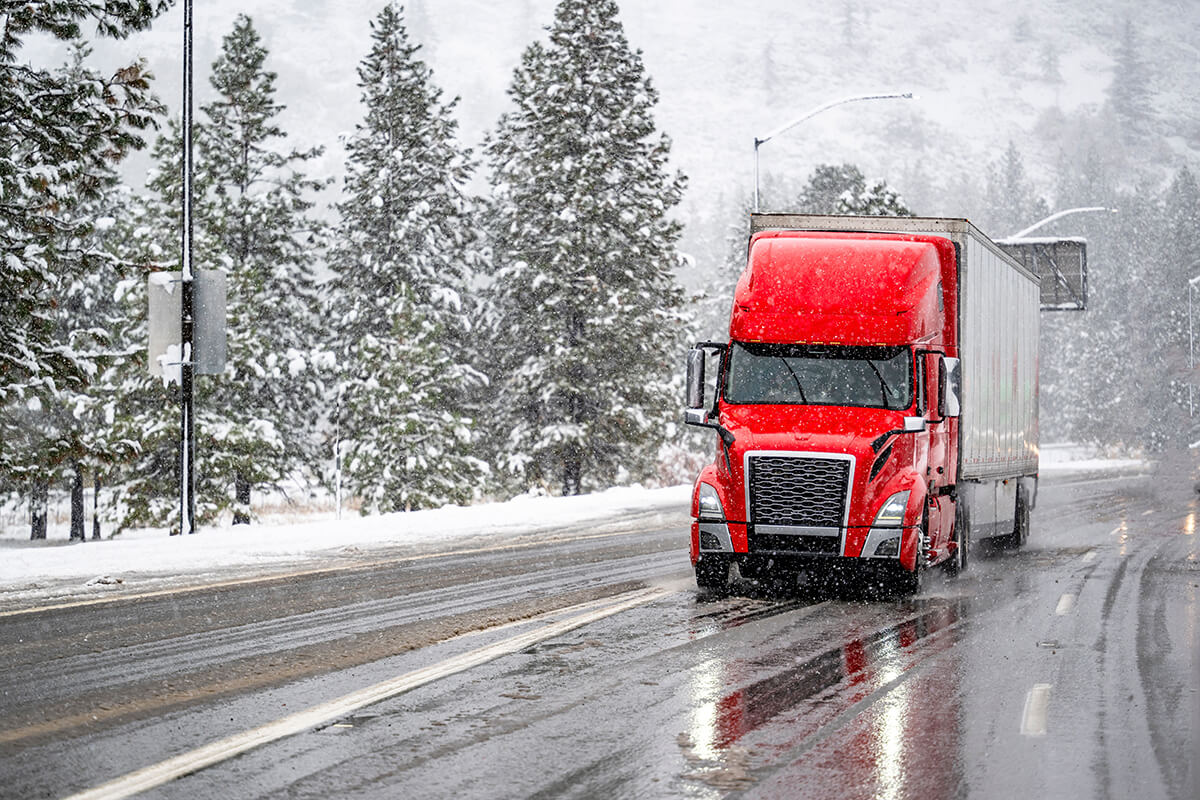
(985, 72)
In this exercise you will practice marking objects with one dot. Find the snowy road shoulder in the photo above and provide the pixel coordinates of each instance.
(32, 572)
(1068, 459)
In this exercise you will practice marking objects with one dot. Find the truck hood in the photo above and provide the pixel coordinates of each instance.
(822, 429)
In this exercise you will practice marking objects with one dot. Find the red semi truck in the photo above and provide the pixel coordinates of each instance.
(876, 403)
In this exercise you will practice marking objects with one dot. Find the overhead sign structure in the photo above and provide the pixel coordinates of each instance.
(1060, 263)
(166, 350)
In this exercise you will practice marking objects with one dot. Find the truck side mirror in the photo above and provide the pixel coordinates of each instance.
(695, 378)
(951, 387)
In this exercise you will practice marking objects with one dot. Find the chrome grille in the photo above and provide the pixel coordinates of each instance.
(798, 491)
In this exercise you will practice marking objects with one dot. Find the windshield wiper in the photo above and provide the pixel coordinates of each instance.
(883, 386)
(795, 379)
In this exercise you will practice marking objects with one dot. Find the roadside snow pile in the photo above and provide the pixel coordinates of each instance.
(26, 566)
(1059, 458)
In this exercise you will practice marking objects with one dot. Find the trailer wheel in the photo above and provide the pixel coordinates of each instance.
(962, 539)
(712, 574)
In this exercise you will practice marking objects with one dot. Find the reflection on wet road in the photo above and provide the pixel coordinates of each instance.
(1069, 669)
(863, 664)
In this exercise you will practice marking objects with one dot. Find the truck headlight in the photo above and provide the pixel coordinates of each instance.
(710, 503)
(892, 513)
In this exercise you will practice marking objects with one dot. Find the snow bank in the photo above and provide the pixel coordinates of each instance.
(1065, 458)
(27, 566)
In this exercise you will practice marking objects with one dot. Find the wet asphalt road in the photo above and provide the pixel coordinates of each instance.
(1068, 669)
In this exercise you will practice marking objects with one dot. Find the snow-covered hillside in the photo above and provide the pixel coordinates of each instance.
(985, 72)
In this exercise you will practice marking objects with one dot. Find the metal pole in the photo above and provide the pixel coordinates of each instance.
(757, 142)
(187, 439)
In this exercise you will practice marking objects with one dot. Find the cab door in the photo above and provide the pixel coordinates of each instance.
(942, 462)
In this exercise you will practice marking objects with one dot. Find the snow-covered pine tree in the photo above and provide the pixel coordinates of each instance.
(258, 420)
(842, 189)
(1012, 201)
(586, 314)
(60, 133)
(1131, 90)
(145, 239)
(406, 250)
(1166, 277)
(256, 423)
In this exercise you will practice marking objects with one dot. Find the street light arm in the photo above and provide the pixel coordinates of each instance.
(813, 112)
(1058, 215)
(763, 140)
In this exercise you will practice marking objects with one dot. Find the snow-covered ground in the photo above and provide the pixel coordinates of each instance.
(148, 560)
(1057, 458)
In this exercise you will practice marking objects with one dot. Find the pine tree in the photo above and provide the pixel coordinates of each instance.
(1050, 65)
(1129, 92)
(843, 190)
(770, 72)
(60, 134)
(1012, 202)
(257, 423)
(260, 421)
(145, 240)
(407, 248)
(1168, 284)
(586, 313)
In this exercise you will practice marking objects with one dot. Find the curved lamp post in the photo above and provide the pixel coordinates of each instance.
(1192, 348)
(760, 140)
(1057, 215)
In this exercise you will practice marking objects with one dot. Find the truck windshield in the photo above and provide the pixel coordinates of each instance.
(876, 377)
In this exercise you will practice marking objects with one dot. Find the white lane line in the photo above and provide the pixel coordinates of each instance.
(1089, 556)
(206, 756)
(1066, 604)
(1116, 530)
(1033, 719)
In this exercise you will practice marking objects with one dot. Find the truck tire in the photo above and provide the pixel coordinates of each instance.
(712, 574)
(957, 563)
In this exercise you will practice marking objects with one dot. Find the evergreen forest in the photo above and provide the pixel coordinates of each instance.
(462, 324)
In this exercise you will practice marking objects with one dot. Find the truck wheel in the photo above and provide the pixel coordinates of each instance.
(712, 574)
(962, 539)
(910, 583)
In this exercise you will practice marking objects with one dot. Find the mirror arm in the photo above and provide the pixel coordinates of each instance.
(701, 419)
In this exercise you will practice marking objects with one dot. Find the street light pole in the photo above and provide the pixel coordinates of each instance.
(1058, 215)
(810, 114)
(1191, 347)
(187, 434)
